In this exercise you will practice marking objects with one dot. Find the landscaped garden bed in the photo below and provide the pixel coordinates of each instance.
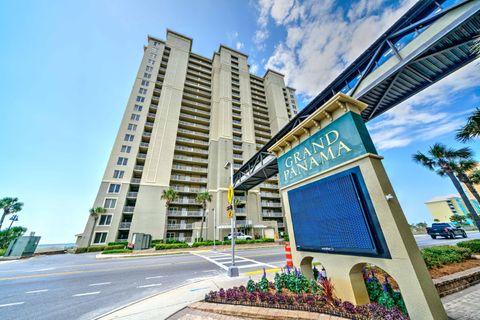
(293, 291)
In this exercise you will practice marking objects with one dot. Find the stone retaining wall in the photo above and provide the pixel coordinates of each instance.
(458, 281)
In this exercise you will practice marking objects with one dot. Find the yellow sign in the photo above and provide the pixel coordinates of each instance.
(230, 214)
(230, 194)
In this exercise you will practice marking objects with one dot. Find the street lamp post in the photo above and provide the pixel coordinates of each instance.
(233, 269)
(214, 229)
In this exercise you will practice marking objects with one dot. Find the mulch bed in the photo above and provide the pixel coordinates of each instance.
(454, 268)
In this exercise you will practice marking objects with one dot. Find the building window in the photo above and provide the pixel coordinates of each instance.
(118, 174)
(142, 91)
(126, 149)
(135, 117)
(156, 44)
(114, 188)
(110, 203)
(122, 161)
(129, 137)
(140, 99)
(153, 55)
(150, 61)
(100, 237)
(154, 50)
(137, 107)
(105, 220)
(147, 75)
(145, 82)
(149, 69)
(132, 127)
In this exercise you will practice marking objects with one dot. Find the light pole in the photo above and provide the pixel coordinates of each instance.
(214, 229)
(233, 269)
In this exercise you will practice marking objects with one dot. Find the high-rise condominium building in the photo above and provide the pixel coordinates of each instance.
(188, 116)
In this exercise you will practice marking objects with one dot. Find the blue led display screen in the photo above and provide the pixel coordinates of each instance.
(335, 215)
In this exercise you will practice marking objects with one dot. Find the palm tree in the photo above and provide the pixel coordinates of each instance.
(169, 195)
(95, 213)
(203, 198)
(461, 168)
(471, 129)
(475, 177)
(9, 206)
(440, 159)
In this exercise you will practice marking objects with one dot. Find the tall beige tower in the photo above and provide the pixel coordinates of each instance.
(186, 117)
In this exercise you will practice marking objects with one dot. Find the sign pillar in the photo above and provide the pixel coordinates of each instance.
(341, 209)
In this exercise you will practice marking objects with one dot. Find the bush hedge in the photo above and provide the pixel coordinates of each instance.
(438, 256)
(166, 246)
(124, 243)
(473, 245)
(114, 247)
(116, 251)
(2, 252)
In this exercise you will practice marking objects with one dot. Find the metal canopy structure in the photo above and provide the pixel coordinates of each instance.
(432, 40)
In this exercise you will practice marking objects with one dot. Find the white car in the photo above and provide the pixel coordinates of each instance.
(239, 236)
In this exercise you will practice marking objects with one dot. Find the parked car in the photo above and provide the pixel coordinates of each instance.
(239, 236)
(446, 230)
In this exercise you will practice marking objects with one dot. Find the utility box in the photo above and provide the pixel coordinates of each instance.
(24, 246)
(141, 241)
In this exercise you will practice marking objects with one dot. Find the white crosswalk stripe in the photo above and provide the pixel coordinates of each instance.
(224, 260)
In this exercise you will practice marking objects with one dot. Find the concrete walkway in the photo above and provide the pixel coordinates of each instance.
(463, 305)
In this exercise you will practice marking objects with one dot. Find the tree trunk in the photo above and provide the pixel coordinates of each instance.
(464, 178)
(91, 232)
(465, 199)
(201, 224)
(2, 218)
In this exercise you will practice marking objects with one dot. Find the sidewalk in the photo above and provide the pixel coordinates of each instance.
(165, 304)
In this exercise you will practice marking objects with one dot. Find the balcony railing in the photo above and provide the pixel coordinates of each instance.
(187, 158)
(185, 201)
(144, 144)
(272, 214)
(272, 204)
(149, 124)
(188, 178)
(191, 149)
(124, 225)
(135, 180)
(195, 133)
(195, 141)
(196, 125)
(189, 116)
(269, 195)
(142, 156)
(189, 189)
(183, 213)
(195, 110)
(189, 168)
(147, 134)
(128, 209)
(132, 194)
(138, 168)
(180, 226)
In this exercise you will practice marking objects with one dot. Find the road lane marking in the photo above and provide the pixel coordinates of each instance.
(150, 285)
(42, 275)
(155, 277)
(99, 284)
(37, 291)
(86, 294)
(211, 260)
(11, 304)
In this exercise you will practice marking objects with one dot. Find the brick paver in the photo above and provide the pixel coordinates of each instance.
(463, 305)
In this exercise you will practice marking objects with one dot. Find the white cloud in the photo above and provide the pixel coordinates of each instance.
(254, 68)
(239, 45)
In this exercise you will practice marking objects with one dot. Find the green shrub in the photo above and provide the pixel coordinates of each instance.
(81, 250)
(2, 252)
(438, 256)
(473, 245)
(165, 246)
(95, 248)
(114, 247)
(204, 243)
(116, 251)
(124, 243)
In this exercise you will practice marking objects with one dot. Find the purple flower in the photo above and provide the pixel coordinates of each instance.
(264, 273)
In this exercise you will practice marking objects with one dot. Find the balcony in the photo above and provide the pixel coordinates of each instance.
(269, 195)
(188, 178)
(146, 134)
(198, 84)
(128, 209)
(237, 156)
(191, 150)
(138, 168)
(189, 168)
(191, 89)
(132, 195)
(272, 214)
(189, 189)
(268, 186)
(185, 201)
(149, 124)
(189, 159)
(135, 180)
(180, 226)
(236, 147)
(281, 224)
(195, 97)
(124, 225)
(195, 111)
(199, 68)
(184, 213)
(271, 204)
(243, 223)
(193, 133)
(144, 144)
(192, 141)
(194, 125)
(204, 121)
(198, 76)
(261, 126)
(151, 115)
(142, 156)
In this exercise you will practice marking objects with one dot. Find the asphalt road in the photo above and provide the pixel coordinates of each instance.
(426, 241)
(81, 287)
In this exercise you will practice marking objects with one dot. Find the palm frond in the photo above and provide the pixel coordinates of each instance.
(471, 129)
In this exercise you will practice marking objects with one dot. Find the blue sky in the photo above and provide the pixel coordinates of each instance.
(68, 67)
